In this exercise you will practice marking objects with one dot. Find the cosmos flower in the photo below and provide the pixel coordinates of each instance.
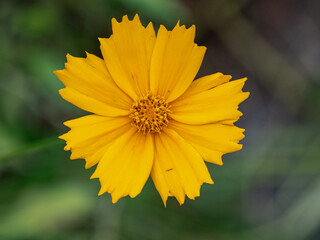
(148, 115)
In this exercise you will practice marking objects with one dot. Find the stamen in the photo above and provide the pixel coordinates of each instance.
(150, 114)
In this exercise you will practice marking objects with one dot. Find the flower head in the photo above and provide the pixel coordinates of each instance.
(148, 115)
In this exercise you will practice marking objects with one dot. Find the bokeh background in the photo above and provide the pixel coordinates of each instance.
(269, 190)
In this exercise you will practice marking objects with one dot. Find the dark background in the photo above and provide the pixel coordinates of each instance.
(269, 190)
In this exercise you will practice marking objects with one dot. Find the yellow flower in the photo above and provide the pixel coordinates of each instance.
(148, 115)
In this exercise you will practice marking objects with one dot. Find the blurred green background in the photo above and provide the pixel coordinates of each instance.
(269, 190)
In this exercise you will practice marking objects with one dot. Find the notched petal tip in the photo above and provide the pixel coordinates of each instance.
(103, 41)
(203, 49)
(227, 77)
(125, 18)
(87, 166)
(181, 201)
(67, 123)
(69, 57)
(136, 17)
(63, 136)
(241, 81)
(219, 163)
(162, 28)
(58, 73)
(114, 21)
(209, 181)
(94, 175)
(102, 191)
(67, 148)
(164, 200)
(135, 193)
(62, 91)
(114, 199)
(88, 55)
(151, 28)
(192, 31)
(242, 130)
(116, 195)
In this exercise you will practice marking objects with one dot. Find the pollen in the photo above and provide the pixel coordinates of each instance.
(150, 114)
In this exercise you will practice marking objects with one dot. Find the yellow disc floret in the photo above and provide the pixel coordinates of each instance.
(150, 114)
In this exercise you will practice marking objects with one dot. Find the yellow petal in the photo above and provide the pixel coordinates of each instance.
(90, 136)
(215, 105)
(175, 61)
(206, 83)
(126, 165)
(178, 168)
(90, 77)
(92, 150)
(210, 140)
(127, 54)
(89, 127)
(90, 104)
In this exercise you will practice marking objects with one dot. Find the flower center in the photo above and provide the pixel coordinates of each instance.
(150, 114)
